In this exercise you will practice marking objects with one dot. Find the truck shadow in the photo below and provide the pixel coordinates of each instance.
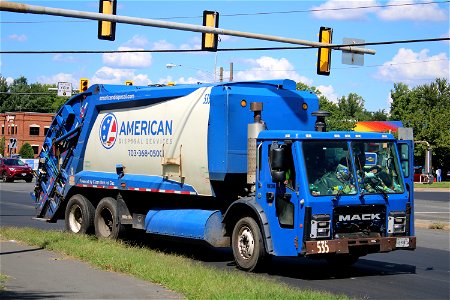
(312, 269)
(287, 267)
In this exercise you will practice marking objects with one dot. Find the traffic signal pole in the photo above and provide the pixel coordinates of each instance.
(33, 9)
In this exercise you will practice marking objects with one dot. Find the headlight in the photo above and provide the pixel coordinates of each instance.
(397, 222)
(12, 169)
(320, 226)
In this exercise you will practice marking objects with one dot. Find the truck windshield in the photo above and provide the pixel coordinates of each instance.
(377, 167)
(329, 168)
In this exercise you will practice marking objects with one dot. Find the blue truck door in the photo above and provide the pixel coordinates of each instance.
(406, 153)
(281, 202)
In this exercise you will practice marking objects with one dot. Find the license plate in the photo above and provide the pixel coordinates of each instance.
(402, 242)
(23, 174)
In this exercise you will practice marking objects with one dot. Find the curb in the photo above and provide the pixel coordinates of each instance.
(423, 189)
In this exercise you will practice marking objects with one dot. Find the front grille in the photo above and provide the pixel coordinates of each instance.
(359, 221)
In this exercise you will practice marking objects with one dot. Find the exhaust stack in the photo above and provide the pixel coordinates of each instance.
(253, 131)
(320, 121)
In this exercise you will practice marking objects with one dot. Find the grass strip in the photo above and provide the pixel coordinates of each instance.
(434, 185)
(180, 274)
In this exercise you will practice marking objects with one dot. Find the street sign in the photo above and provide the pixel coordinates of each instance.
(351, 58)
(12, 143)
(64, 89)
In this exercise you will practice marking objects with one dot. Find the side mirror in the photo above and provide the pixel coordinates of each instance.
(277, 164)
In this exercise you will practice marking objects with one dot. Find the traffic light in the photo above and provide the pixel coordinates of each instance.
(324, 54)
(209, 40)
(128, 82)
(106, 29)
(84, 84)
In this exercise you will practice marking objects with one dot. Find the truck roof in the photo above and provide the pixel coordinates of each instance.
(331, 135)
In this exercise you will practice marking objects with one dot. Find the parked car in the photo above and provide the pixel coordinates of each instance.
(417, 173)
(14, 169)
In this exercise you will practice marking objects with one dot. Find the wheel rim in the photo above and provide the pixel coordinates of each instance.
(75, 218)
(4, 176)
(105, 222)
(246, 243)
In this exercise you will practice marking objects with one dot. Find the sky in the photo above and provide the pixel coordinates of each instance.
(379, 21)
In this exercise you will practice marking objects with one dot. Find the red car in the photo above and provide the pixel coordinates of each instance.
(14, 169)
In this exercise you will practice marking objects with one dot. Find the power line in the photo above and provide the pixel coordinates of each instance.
(219, 50)
(260, 13)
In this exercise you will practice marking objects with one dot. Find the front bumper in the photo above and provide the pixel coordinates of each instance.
(371, 245)
(20, 175)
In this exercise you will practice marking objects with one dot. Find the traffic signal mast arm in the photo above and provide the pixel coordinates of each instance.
(33, 9)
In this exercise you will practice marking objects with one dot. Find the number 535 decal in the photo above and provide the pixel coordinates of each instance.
(323, 247)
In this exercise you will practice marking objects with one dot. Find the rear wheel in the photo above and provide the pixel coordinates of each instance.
(107, 222)
(4, 177)
(248, 246)
(79, 215)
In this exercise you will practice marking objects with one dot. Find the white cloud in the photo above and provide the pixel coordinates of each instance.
(60, 77)
(329, 92)
(410, 67)
(129, 59)
(137, 41)
(429, 12)
(193, 44)
(228, 38)
(333, 10)
(181, 80)
(18, 37)
(107, 75)
(65, 59)
(267, 67)
(9, 80)
(163, 45)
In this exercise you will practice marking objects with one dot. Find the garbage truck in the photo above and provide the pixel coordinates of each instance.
(246, 165)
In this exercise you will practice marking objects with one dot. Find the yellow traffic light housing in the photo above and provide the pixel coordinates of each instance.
(106, 29)
(128, 82)
(84, 84)
(209, 40)
(324, 54)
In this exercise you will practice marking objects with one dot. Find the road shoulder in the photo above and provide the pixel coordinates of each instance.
(37, 273)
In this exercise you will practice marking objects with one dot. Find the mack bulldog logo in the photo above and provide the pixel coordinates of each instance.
(108, 131)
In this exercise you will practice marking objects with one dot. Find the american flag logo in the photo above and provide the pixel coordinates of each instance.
(108, 131)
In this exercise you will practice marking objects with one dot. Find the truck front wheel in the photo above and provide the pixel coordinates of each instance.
(107, 223)
(79, 215)
(247, 244)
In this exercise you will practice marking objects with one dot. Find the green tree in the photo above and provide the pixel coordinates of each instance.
(379, 115)
(345, 113)
(2, 146)
(426, 108)
(26, 151)
(21, 96)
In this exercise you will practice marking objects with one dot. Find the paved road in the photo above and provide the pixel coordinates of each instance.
(420, 274)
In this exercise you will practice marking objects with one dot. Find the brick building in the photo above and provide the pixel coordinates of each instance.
(24, 127)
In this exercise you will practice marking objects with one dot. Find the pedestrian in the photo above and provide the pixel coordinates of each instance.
(439, 174)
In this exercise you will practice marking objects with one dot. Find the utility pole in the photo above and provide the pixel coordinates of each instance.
(231, 71)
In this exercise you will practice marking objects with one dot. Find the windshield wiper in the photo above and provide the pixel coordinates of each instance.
(382, 191)
(338, 195)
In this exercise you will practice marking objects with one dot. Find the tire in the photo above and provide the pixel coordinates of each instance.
(248, 246)
(342, 260)
(29, 180)
(79, 216)
(4, 177)
(106, 221)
